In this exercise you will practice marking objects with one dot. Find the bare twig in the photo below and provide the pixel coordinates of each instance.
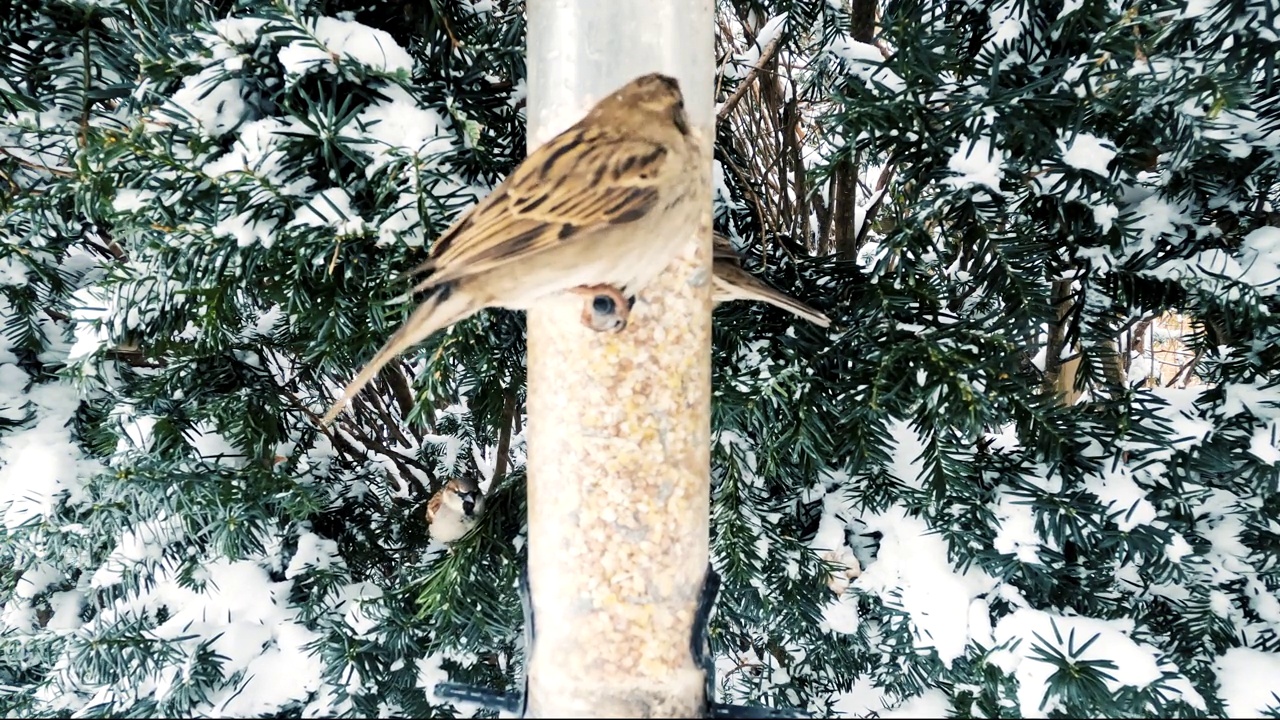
(134, 357)
(886, 176)
(85, 102)
(384, 414)
(401, 461)
(766, 55)
(399, 384)
(1185, 369)
(748, 187)
(37, 166)
(504, 438)
(333, 261)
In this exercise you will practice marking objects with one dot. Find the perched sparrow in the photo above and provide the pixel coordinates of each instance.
(600, 210)
(732, 282)
(453, 509)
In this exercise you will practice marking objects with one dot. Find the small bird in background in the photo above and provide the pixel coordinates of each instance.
(454, 509)
(599, 210)
(732, 282)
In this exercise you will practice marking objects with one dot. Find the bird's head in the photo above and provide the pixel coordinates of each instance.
(464, 495)
(647, 99)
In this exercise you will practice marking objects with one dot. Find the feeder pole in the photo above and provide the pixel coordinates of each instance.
(619, 424)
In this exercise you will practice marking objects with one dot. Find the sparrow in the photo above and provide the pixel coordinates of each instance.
(453, 510)
(732, 282)
(599, 210)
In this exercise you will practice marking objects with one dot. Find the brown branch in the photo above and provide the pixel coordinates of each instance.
(799, 175)
(135, 358)
(101, 249)
(55, 315)
(504, 438)
(1139, 332)
(13, 186)
(844, 196)
(755, 198)
(399, 384)
(724, 36)
(85, 103)
(112, 247)
(766, 55)
(1186, 368)
(772, 120)
(886, 176)
(862, 20)
(37, 166)
(401, 461)
(1113, 368)
(744, 18)
(384, 414)
(333, 261)
(1218, 331)
(1059, 373)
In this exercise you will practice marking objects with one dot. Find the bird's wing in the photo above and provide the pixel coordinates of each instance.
(584, 179)
(433, 505)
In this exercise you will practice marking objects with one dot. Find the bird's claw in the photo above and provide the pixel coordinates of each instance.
(606, 309)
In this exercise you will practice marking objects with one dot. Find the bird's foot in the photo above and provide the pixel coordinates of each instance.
(606, 309)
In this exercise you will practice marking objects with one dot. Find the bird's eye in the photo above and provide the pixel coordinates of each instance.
(603, 305)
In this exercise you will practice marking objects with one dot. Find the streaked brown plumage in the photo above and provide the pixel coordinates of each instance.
(609, 201)
(732, 282)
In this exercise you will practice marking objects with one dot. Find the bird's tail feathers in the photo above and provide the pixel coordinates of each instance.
(795, 307)
(441, 309)
(757, 290)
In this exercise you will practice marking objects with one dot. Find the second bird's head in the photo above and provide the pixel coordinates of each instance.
(466, 496)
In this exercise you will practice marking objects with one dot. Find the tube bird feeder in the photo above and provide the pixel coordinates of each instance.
(619, 424)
